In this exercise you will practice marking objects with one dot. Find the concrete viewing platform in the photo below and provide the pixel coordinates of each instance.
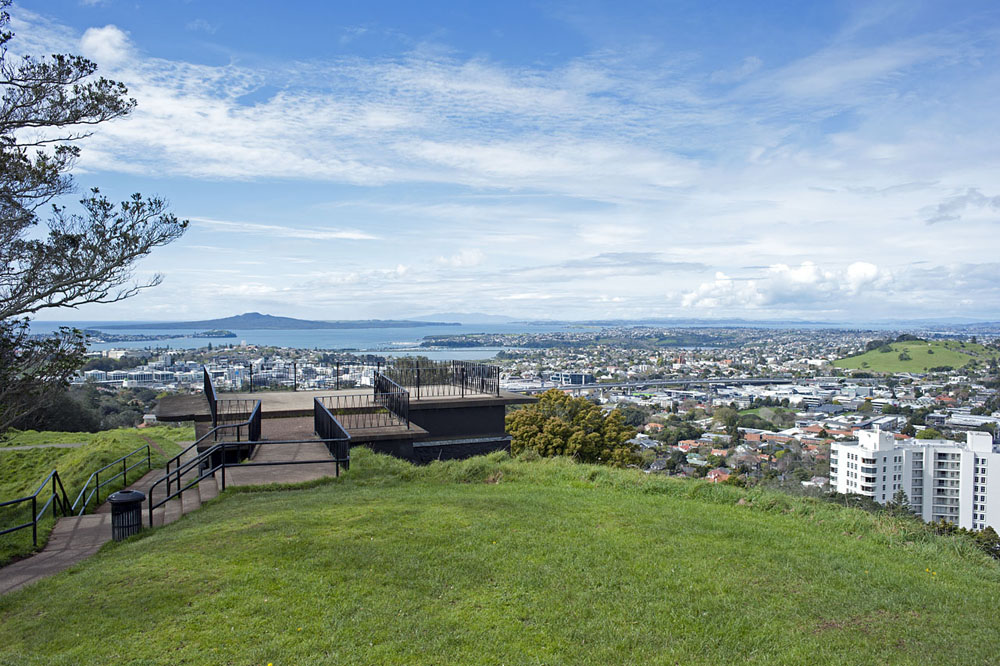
(441, 422)
(287, 404)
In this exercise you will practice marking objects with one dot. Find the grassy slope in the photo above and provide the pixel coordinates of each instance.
(946, 353)
(768, 411)
(24, 470)
(556, 563)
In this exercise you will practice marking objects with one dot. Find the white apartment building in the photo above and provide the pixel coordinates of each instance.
(942, 479)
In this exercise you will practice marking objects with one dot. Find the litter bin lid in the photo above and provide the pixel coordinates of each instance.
(126, 496)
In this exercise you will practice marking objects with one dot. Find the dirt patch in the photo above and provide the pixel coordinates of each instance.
(863, 623)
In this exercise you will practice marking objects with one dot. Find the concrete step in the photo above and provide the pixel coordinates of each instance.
(209, 489)
(190, 500)
(172, 511)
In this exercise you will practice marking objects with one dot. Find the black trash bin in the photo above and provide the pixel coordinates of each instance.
(126, 513)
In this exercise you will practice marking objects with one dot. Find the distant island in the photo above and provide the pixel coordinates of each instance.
(95, 336)
(258, 321)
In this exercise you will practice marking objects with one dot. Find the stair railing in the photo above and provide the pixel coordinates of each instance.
(82, 502)
(57, 500)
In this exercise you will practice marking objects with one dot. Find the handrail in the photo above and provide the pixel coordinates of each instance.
(340, 443)
(442, 378)
(329, 429)
(61, 503)
(96, 476)
(392, 396)
(252, 424)
(210, 396)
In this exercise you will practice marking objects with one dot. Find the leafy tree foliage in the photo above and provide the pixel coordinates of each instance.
(88, 257)
(561, 425)
(634, 415)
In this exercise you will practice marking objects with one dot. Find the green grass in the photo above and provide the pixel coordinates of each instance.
(37, 438)
(923, 356)
(491, 561)
(768, 410)
(24, 470)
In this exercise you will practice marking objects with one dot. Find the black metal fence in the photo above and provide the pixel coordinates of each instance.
(421, 376)
(366, 411)
(184, 475)
(444, 378)
(333, 434)
(112, 472)
(210, 396)
(234, 410)
(244, 435)
(56, 498)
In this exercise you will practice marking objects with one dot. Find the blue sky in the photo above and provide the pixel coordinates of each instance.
(551, 160)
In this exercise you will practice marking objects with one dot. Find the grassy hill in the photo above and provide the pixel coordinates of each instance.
(23, 470)
(493, 560)
(923, 355)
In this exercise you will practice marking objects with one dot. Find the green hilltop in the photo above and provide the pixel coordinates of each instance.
(497, 560)
(918, 356)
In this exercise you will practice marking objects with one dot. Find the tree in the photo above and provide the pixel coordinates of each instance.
(929, 433)
(87, 257)
(899, 505)
(634, 415)
(561, 425)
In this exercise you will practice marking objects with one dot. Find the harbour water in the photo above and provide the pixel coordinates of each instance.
(385, 341)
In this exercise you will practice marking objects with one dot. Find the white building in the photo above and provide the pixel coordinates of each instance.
(942, 479)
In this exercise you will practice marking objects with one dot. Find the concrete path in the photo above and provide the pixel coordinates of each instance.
(76, 538)
(284, 430)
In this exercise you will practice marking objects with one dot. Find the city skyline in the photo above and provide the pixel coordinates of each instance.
(550, 161)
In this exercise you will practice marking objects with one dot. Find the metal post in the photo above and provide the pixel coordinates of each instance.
(295, 376)
(97, 480)
(251, 377)
(418, 382)
(463, 381)
(124, 474)
(34, 521)
(223, 466)
(338, 375)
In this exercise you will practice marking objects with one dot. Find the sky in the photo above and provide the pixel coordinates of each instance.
(832, 161)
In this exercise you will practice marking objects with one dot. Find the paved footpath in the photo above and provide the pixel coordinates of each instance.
(76, 538)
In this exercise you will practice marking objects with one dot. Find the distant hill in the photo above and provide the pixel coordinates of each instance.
(467, 318)
(918, 356)
(258, 321)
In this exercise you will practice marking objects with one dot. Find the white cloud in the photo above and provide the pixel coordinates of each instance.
(108, 46)
(201, 25)
(466, 258)
(283, 231)
(749, 65)
(806, 287)
(611, 173)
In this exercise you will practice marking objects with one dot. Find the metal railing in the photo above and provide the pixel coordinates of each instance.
(210, 396)
(57, 500)
(215, 459)
(366, 411)
(444, 378)
(83, 499)
(392, 396)
(234, 410)
(332, 433)
(252, 426)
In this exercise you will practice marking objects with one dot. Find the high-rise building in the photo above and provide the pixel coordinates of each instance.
(943, 479)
